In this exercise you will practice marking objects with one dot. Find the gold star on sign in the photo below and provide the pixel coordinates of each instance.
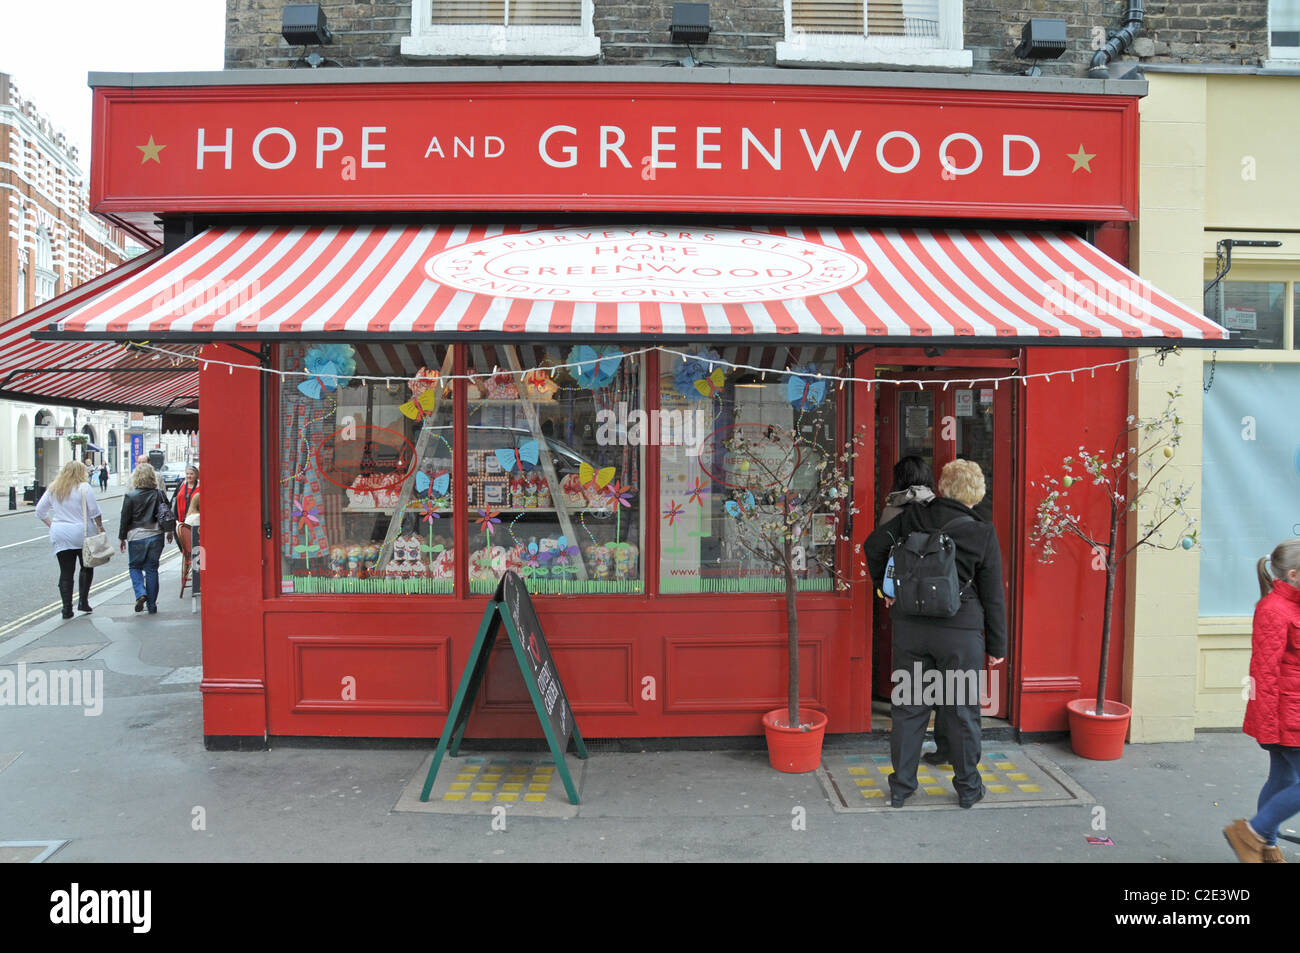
(150, 150)
(1081, 159)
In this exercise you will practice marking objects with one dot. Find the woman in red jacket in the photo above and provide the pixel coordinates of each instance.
(1273, 711)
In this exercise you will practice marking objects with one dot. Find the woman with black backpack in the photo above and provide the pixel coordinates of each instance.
(146, 518)
(949, 618)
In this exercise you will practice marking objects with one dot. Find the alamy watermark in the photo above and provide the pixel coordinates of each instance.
(1076, 295)
(213, 299)
(57, 687)
(957, 687)
(656, 428)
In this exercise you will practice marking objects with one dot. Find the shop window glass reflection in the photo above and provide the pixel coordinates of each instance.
(366, 469)
(702, 406)
(554, 474)
(1252, 310)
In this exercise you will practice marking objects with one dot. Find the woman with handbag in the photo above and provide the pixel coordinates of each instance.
(66, 508)
(146, 518)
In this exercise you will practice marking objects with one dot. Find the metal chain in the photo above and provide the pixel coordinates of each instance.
(1210, 383)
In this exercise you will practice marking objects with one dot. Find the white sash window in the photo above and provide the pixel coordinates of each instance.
(913, 34)
(502, 29)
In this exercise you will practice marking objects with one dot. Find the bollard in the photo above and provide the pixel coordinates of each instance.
(13, 498)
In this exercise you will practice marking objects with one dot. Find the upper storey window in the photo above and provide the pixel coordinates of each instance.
(502, 29)
(902, 34)
(1284, 31)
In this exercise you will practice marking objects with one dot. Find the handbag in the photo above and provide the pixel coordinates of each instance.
(163, 515)
(95, 550)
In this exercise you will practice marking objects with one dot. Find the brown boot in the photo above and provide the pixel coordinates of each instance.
(1273, 855)
(1248, 846)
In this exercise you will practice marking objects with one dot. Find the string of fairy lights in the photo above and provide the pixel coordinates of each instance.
(711, 360)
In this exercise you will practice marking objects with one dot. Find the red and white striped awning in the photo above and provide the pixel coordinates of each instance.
(500, 282)
(91, 373)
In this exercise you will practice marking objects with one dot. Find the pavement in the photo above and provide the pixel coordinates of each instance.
(29, 509)
(133, 782)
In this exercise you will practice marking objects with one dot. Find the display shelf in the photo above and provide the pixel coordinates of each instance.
(418, 508)
(511, 402)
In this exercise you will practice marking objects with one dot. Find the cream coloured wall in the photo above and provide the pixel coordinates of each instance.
(1217, 161)
(1161, 645)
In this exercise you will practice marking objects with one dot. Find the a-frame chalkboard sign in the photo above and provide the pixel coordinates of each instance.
(512, 607)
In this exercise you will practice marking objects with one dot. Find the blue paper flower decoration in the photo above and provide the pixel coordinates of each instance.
(694, 370)
(331, 366)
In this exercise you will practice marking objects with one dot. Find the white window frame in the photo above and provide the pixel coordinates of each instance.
(1280, 57)
(801, 48)
(429, 40)
(45, 279)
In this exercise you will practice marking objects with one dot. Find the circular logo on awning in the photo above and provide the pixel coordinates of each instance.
(685, 266)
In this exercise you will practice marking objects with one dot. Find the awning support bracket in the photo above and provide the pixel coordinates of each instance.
(263, 354)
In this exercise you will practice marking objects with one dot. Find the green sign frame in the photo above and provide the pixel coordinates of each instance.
(515, 615)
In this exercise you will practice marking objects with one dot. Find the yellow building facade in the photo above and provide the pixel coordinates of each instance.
(1220, 160)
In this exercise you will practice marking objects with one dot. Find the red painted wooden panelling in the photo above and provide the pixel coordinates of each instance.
(1061, 611)
(234, 675)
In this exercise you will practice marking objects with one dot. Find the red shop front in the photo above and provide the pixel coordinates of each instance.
(451, 326)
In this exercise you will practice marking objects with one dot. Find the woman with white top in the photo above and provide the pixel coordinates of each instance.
(65, 508)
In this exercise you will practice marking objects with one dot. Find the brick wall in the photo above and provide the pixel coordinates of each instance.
(745, 32)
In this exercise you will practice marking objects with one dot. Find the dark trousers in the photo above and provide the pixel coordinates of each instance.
(69, 559)
(935, 649)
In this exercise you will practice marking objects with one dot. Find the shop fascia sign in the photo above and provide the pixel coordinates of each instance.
(642, 147)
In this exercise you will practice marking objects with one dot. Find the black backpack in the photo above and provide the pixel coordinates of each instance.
(925, 573)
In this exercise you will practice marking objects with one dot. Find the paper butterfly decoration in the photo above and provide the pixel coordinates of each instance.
(524, 457)
(804, 389)
(711, 384)
(590, 476)
(562, 550)
(324, 378)
(597, 365)
(695, 371)
(330, 367)
(739, 508)
(423, 405)
(440, 484)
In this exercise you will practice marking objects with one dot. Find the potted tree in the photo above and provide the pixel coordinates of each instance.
(1131, 480)
(793, 496)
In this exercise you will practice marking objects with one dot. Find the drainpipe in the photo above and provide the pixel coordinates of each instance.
(1119, 41)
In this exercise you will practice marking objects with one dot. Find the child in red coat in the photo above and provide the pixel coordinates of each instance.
(1273, 711)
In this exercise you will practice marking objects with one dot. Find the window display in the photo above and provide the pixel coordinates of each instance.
(725, 443)
(553, 476)
(366, 485)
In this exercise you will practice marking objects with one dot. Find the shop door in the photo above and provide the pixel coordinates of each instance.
(940, 424)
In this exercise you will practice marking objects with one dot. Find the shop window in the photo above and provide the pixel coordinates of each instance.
(704, 404)
(366, 478)
(917, 34)
(1250, 465)
(554, 468)
(1284, 31)
(502, 29)
(1254, 310)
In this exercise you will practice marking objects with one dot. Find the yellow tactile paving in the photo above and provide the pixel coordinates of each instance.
(864, 782)
(857, 770)
(873, 792)
(1004, 765)
(934, 789)
(998, 788)
(1029, 788)
(1017, 776)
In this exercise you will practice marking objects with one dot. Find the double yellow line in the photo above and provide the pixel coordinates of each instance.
(37, 614)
